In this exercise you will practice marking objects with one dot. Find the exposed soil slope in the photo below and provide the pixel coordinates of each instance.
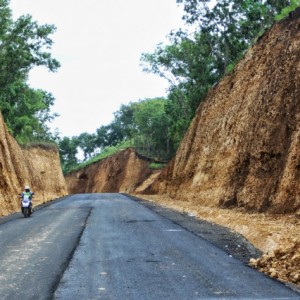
(121, 172)
(37, 167)
(242, 151)
(242, 148)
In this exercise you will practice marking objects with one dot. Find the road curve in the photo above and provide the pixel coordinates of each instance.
(108, 246)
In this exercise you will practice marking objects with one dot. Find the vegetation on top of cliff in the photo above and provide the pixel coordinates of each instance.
(156, 166)
(142, 125)
(193, 61)
(42, 145)
(106, 152)
(23, 45)
(294, 4)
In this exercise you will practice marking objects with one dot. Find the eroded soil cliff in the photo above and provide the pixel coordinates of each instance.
(38, 167)
(122, 172)
(242, 148)
(242, 152)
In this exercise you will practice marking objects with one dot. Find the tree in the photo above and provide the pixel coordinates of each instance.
(192, 63)
(23, 45)
(124, 117)
(151, 135)
(68, 152)
(87, 143)
(27, 117)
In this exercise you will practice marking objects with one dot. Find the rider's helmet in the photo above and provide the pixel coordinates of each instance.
(27, 188)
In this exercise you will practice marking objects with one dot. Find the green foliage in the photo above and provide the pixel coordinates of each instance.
(285, 11)
(150, 134)
(23, 45)
(68, 153)
(87, 143)
(156, 166)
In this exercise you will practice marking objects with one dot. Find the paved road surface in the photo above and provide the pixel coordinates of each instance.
(107, 246)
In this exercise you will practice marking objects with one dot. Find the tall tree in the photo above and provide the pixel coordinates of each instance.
(87, 143)
(23, 45)
(151, 134)
(68, 152)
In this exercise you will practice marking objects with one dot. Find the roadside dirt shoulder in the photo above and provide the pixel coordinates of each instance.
(276, 236)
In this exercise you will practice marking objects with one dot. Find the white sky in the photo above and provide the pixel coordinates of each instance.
(99, 44)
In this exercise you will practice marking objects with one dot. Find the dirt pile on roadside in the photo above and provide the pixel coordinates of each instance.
(242, 148)
(37, 167)
(282, 264)
(122, 172)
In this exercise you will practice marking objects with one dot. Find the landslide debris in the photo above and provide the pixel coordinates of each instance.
(283, 263)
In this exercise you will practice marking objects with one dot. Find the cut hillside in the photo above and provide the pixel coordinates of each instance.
(242, 152)
(242, 148)
(39, 167)
(121, 172)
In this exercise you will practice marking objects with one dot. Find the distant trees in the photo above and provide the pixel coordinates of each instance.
(68, 152)
(23, 45)
(143, 125)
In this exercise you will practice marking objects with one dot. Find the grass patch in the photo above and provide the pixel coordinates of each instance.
(156, 166)
(285, 11)
(43, 145)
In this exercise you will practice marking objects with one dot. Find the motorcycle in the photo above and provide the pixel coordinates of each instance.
(26, 206)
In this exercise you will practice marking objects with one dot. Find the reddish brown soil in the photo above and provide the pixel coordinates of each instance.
(37, 167)
(242, 152)
(242, 148)
(122, 172)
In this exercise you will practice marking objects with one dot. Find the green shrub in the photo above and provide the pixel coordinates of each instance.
(156, 166)
(285, 11)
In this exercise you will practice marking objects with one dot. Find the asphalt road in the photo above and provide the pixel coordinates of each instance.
(108, 246)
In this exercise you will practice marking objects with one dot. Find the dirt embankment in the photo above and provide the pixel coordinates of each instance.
(122, 172)
(242, 148)
(242, 152)
(37, 167)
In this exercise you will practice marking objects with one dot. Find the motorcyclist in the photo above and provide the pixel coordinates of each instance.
(28, 194)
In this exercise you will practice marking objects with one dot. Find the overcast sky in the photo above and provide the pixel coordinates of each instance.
(99, 44)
